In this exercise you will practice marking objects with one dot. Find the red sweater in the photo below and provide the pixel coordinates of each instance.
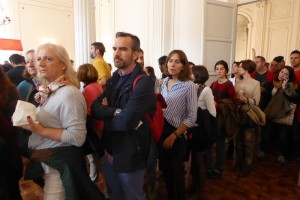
(90, 93)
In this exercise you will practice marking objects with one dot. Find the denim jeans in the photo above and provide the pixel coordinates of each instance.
(123, 186)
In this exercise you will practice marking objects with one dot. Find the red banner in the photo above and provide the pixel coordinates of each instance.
(10, 44)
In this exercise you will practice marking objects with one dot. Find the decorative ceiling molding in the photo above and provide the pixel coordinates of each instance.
(244, 2)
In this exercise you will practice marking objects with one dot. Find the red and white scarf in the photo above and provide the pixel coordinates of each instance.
(44, 92)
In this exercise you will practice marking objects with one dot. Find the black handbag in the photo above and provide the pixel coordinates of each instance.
(205, 134)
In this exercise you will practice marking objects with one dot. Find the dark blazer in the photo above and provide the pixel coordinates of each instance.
(27, 91)
(268, 85)
(129, 147)
(15, 75)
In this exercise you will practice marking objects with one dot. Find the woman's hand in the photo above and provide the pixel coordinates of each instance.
(32, 126)
(104, 102)
(242, 98)
(169, 141)
(284, 83)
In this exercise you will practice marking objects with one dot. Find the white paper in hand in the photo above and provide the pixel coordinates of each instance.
(23, 109)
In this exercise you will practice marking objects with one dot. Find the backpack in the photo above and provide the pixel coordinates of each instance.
(157, 120)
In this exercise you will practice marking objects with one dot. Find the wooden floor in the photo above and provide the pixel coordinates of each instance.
(268, 181)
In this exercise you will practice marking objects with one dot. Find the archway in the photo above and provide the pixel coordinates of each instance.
(242, 38)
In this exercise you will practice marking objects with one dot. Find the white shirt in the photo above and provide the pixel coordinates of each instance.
(206, 101)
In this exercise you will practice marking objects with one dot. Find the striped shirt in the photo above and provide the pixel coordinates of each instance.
(182, 103)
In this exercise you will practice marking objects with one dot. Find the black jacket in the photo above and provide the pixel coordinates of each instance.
(128, 146)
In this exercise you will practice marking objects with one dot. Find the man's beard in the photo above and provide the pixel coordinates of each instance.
(119, 64)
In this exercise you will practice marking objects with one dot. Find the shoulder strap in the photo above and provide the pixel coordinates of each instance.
(98, 90)
(200, 89)
(135, 81)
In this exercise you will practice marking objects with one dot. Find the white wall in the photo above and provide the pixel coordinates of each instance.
(166, 25)
(39, 21)
(142, 18)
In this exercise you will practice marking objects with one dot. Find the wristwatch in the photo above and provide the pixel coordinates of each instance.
(117, 111)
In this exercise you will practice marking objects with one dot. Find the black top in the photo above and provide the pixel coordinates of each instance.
(15, 75)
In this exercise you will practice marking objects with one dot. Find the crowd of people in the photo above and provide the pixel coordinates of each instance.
(245, 116)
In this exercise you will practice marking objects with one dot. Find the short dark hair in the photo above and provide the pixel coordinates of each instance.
(16, 59)
(224, 63)
(295, 52)
(191, 63)
(200, 73)
(100, 46)
(237, 63)
(30, 51)
(162, 60)
(150, 70)
(141, 50)
(278, 59)
(261, 58)
(135, 40)
(248, 65)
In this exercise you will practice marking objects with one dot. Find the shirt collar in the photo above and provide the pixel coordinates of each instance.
(127, 72)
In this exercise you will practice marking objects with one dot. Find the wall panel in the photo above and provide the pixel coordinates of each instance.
(134, 20)
(219, 36)
(65, 3)
(188, 29)
(280, 9)
(278, 41)
(50, 25)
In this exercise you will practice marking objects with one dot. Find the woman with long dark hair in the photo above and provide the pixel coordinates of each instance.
(180, 94)
(284, 90)
(224, 93)
(10, 159)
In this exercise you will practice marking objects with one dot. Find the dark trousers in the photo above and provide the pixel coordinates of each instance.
(173, 175)
(198, 172)
(279, 138)
(171, 161)
(9, 184)
(296, 139)
(264, 138)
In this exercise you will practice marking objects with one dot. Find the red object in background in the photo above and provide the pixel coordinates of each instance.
(10, 44)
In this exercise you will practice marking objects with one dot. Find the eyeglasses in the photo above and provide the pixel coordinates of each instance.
(45, 58)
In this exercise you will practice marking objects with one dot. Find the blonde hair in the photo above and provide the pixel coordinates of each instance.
(62, 55)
